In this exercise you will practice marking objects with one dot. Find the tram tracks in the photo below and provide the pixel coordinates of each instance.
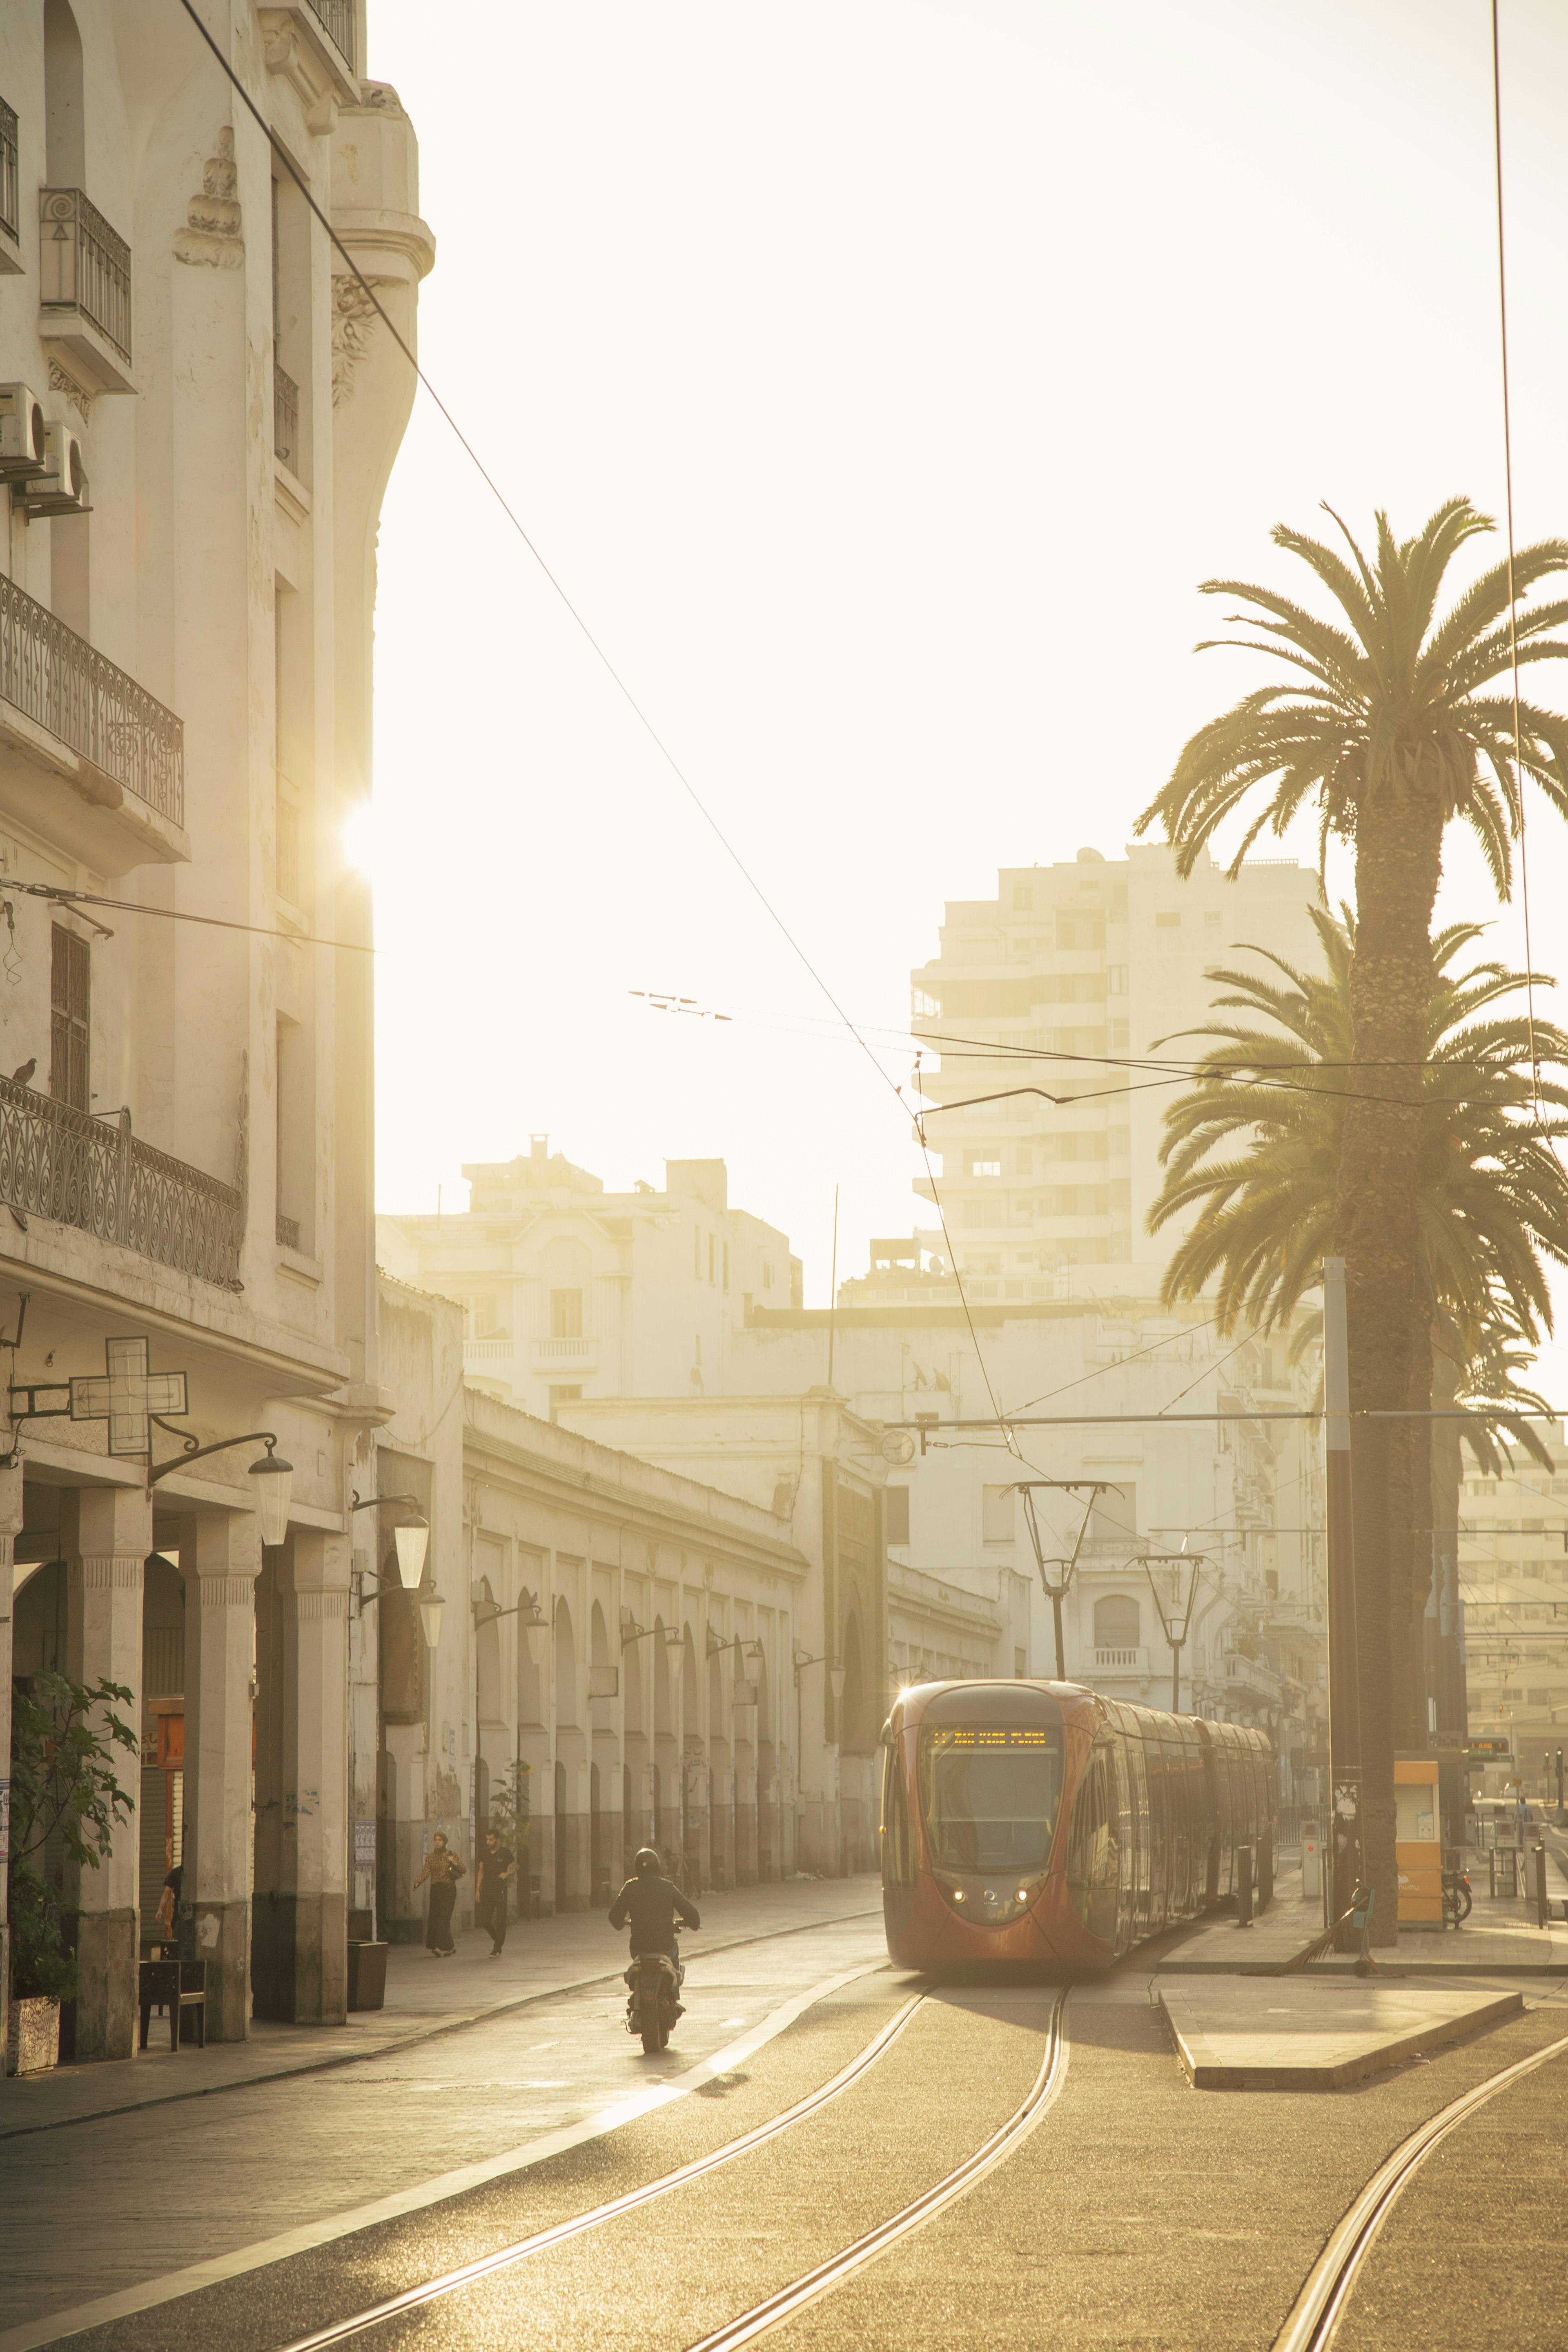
(1315, 2315)
(787, 2300)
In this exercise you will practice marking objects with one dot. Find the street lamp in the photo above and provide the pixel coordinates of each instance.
(535, 1624)
(431, 1610)
(1174, 1562)
(836, 1673)
(1056, 1593)
(275, 1478)
(411, 1535)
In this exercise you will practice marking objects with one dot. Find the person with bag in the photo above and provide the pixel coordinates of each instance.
(443, 1869)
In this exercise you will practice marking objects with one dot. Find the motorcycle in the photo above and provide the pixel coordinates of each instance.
(1455, 1895)
(653, 2001)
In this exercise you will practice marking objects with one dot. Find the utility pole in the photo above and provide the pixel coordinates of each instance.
(1344, 1689)
(1176, 1561)
(1056, 1593)
(833, 1290)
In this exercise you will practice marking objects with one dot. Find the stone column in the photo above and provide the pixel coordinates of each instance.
(105, 1534)
(10, 1520)
(315, 1774)
(220, 1559)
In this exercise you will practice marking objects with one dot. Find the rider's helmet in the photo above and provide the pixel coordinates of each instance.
(646, 1860)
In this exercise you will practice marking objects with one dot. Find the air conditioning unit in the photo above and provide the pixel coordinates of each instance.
(22, 430)
(61, 488)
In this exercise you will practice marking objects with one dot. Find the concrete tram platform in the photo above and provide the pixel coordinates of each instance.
(1498, 1938)
(1303, 2036)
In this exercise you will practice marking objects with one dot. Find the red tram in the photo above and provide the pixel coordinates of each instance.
(1039, 1821)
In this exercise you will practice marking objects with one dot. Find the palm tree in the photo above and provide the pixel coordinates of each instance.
(1254, 1149)
(1391, 723)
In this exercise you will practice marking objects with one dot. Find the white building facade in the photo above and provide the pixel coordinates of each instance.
(201, 409)
(569, 1291)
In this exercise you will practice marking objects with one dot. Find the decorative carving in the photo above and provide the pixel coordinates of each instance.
(79, 400)
(214, 239)
(353, 324)
(379, 97)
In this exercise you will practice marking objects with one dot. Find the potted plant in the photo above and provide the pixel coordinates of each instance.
(63, 1737)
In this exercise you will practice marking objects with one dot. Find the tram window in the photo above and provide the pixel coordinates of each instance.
(989, 1795)
(898, 1846)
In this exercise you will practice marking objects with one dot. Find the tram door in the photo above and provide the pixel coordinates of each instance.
(1140, 1795)
(1126, 1899)
(1159, 1833)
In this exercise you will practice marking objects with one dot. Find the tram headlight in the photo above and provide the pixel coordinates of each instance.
(993, 1900)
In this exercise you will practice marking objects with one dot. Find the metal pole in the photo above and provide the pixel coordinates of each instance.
(1056, 1591)
(833, 1290)
(1176, 1677)
(1345, 1694)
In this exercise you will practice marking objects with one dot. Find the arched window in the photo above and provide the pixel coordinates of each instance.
(64, 131)
(1118, 1622)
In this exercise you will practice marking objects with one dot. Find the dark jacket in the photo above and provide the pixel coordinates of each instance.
(650, 1907)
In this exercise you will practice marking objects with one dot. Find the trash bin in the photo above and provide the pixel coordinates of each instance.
(366, 1976)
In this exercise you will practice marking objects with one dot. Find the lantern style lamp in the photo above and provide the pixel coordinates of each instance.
(412, 1536)
(274, 1489)
(431, 1609)
(836, 1681)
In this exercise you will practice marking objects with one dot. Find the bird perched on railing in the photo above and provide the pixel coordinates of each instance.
(23, 1077)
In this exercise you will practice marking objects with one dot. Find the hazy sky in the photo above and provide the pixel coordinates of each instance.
(879, 380)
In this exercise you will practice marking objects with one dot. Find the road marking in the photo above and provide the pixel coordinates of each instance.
(146, 2296)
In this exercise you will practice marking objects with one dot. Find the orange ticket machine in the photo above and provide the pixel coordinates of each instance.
(1418, 1847)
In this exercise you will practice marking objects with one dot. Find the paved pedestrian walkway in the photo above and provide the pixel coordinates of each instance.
(1499, 1938)
(424, 1997)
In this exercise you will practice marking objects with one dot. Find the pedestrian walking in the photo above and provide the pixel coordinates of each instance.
(443, 1869)
(496, 1873)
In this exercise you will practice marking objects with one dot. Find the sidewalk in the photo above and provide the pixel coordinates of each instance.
(1498, 1938)
(424, 1997)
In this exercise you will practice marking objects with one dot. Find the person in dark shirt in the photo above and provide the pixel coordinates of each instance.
(650, 1906)
(496, 1868)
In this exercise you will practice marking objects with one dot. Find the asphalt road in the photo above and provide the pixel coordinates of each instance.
(1138, 2213)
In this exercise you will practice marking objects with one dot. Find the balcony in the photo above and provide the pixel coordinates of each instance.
(492, 1348)
(71, 1169)
(558, 1355)
(10, 195)
(310, 44)
(1250, 1681)
(84, 290)
(1110, 1664)
(70, 712)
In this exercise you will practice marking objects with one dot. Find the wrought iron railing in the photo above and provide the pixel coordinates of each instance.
(285, 417)
(336, 18)
(62, 683)
(288, 1232)
(10, 182)
(84, 265)
(93, 1174)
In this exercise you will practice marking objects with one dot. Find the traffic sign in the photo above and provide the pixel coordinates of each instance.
(1489, 1751)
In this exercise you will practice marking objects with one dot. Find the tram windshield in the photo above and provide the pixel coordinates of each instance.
(989, 1794)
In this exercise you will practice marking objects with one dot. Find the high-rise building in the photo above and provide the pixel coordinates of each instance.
(1513, 1587)
(1071, 971)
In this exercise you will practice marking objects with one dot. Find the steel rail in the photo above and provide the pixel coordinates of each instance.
(790, 2299)
(1319, 2308)
(522, 2249)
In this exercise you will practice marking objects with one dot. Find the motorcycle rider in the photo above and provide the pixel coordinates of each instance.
(650, 1906)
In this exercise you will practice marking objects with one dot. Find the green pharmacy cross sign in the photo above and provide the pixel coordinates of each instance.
(126, 1395)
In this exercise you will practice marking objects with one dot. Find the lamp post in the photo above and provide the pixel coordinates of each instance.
(275, 1478)
(835, 1678)
(411, 1535)
(1174, 1562)
(1056, 1593)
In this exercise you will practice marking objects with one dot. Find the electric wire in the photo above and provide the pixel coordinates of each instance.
(64, 898)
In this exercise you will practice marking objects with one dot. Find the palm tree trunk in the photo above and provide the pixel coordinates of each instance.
(1410, 1616)
(1398, 861)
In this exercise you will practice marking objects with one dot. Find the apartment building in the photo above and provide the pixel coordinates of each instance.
(569, 1291)
(1514, 1591)
(1069, 971)
(199, 410)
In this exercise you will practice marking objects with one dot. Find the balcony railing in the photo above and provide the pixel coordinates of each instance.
(563, 1351)
(285, 418)
(1121, 1662)
(94, 1174)
(288, 1232)
(10, 183)
(494, 1347)
(60, 681)
(84, 265)
(336, 18)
